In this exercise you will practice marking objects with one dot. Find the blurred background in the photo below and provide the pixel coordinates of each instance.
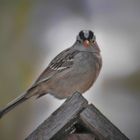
(33, 32)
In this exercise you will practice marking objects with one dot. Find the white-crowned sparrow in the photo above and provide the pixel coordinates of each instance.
(74, 69)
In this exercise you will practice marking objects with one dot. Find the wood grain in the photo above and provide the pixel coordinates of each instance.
(61, 121)
(100, 125)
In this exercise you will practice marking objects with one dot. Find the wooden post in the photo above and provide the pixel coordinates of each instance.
(100, 125)
(62, 124)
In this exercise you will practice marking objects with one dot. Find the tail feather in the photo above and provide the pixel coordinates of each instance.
(12, 105)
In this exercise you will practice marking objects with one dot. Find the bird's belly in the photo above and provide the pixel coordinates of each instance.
(71, 82)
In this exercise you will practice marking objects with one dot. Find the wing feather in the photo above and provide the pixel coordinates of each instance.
(61, 62)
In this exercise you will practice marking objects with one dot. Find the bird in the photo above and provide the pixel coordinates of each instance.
(73, 70)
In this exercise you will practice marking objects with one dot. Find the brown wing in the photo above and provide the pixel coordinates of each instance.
(62, 61)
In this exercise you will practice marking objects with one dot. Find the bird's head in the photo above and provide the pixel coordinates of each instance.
(86, 37)
(87, 40)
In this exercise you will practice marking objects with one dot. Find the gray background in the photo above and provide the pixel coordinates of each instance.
(33, 32)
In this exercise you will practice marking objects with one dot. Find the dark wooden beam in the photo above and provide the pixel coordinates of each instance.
(76, 120)
(61, 121)
(94, 120)
(80, 137)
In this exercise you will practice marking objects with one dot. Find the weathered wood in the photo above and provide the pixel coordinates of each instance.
(61, 121)
(80, 137)
(94, 120)
(76, 120)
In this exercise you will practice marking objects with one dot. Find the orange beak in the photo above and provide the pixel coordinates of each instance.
(86, 43)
